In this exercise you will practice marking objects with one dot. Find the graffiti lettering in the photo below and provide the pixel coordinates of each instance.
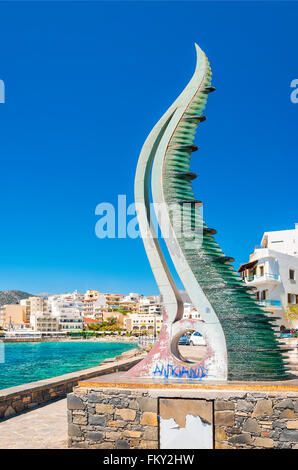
(169, 370)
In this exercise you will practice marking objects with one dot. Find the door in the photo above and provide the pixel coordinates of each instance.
(185, 423)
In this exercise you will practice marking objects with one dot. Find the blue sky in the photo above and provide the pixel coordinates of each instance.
(86, 82)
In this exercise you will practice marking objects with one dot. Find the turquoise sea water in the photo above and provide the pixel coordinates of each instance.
(27, 362)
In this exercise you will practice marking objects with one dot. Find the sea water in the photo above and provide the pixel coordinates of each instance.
(27, 362)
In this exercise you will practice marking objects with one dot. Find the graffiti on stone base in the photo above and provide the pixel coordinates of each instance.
(169, 370)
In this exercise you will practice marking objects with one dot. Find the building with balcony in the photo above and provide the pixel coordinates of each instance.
(150, 305)
(34, 305)
(146, 322)
(68, 308)
(126, 303)
(70, 323)
(93, 305)
(273, 272)
(44, 322)
(112, 300)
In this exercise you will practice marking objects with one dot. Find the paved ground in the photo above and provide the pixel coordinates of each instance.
(46, 427)
(42, 428)
(192, 353)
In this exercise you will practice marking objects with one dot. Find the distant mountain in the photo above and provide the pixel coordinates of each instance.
(12, 296)
(43, 294)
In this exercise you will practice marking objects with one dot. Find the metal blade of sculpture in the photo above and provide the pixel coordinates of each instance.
(241, 339)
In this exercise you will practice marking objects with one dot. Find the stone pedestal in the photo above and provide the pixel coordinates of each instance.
(113, 412)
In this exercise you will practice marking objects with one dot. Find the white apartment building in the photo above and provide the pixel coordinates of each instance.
(92, 305)
(68, 322)
(68, 308)
(44, 322)
(150, 305)
(99, 308)
(273, 271)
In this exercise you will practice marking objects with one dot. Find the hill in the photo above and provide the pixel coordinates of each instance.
(12, 296)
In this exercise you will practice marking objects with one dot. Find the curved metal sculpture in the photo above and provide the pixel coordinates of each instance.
(241, 339)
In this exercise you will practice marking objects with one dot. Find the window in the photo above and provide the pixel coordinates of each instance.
(258, 295)
(261, 270)
(263, 295)
(292, 274)
(289, 298)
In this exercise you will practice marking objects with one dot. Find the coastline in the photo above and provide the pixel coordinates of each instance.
(68, 356)
(20, 398)
(112, 339)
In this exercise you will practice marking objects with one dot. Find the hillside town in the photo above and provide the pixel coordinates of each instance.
(271, 271)
(72, 313)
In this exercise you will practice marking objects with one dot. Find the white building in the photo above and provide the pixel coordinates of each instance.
(150, 305)
(190, 312)
(273, 271)
(99, 308)
(44, 322)
(68, 308)
(132, 296)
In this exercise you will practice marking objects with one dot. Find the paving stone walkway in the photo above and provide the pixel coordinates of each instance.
(42, 428)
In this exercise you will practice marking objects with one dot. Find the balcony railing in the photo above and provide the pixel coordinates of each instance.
(270, 303)
(263, 277)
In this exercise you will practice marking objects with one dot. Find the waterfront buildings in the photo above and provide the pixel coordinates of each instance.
(44, 322)
(273, 271)
(126, 303)
(68, 308)
(93, 304)
(146, 322)
(62, 313)
(150, 305)
(12, 316)
(34, 305)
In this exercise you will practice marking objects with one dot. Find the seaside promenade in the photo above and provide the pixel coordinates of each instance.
(41, 428)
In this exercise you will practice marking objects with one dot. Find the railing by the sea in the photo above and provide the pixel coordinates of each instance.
(147, 340)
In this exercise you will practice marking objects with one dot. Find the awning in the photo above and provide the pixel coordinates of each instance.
(245, 266)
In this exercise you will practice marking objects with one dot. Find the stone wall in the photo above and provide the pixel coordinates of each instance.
(257, 420)
(109, 419)
(17, 399)
(128, 418)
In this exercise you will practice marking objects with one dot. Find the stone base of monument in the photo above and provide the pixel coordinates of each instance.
(114, 412)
